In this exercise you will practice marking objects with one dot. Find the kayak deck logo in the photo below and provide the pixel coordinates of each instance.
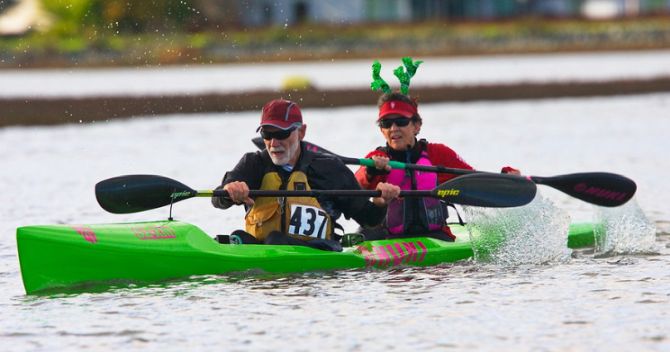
(154, 232)
(393, 254)
(86, 232)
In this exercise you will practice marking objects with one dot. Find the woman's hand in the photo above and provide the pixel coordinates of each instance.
(510, 170)
(381, 163)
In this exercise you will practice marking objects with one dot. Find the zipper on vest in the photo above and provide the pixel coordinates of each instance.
(282, 201)
(282, 211)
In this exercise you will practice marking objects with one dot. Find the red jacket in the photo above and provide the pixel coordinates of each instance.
(439, 155)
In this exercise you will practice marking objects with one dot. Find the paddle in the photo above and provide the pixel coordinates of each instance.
(134, 193)
(599, 188)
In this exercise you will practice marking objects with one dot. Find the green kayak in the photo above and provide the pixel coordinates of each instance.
(59, 256)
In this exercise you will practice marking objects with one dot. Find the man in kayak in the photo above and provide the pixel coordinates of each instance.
(286, 164)
(400, 123)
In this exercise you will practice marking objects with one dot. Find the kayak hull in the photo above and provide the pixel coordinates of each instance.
(58, 256)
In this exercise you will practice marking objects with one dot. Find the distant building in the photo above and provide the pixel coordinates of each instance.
(259, 13)
(20, 16)
(622, 8)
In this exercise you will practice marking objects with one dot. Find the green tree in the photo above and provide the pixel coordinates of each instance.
(136, 16)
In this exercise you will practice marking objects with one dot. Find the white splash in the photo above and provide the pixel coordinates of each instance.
(536, 233)
(625, 230)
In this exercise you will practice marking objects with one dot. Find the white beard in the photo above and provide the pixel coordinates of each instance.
(288, 154)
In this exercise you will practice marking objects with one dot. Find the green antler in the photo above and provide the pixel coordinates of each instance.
(377, 80)
(411, 66)
(403, 78)
(405, 75)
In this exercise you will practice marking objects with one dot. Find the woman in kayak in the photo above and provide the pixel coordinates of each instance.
(287, 165)
(400, 123)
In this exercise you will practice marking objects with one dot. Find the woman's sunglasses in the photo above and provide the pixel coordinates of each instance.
(400, 122)
(278, 135)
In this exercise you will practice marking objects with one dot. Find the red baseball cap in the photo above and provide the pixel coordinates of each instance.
(397, 107)
(281, 113)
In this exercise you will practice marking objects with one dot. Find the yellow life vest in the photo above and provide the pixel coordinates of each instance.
(298, 217)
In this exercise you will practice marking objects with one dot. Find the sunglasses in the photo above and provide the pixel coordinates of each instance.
(400, 122)
(278, 135)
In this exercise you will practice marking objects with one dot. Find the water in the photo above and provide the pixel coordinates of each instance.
(533, 234)
(583, 302)
(202, 79)
(625, 230)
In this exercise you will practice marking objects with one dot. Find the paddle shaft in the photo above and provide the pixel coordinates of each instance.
(371, 163)
(132, 193)
(316, 193)
(400, 165)
(439, 169)
(428, 168)
(599, 188)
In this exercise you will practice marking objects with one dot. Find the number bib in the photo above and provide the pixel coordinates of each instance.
(299, 217)
(308, 221)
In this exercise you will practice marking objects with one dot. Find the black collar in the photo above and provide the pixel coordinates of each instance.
(413, 153)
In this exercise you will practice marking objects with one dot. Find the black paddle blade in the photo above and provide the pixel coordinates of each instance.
(134, 193)
(487, 190)
(599, 188)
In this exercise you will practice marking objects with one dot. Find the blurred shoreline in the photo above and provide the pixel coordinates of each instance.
(134, 83)
(65, 110)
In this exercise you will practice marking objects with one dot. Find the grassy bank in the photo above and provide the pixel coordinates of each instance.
(107, 47)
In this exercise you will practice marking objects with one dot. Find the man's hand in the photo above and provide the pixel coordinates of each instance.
(238, 192)
(389, 193)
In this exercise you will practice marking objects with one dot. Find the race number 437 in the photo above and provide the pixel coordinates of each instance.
(308, 221)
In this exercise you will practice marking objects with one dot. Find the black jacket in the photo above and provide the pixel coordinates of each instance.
(323, 172)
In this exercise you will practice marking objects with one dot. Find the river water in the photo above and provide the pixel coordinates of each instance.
(585, 303)
(335, 74)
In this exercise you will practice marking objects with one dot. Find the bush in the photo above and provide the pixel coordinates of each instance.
(115, 16)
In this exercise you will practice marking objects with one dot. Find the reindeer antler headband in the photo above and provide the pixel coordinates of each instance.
(404, 75)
